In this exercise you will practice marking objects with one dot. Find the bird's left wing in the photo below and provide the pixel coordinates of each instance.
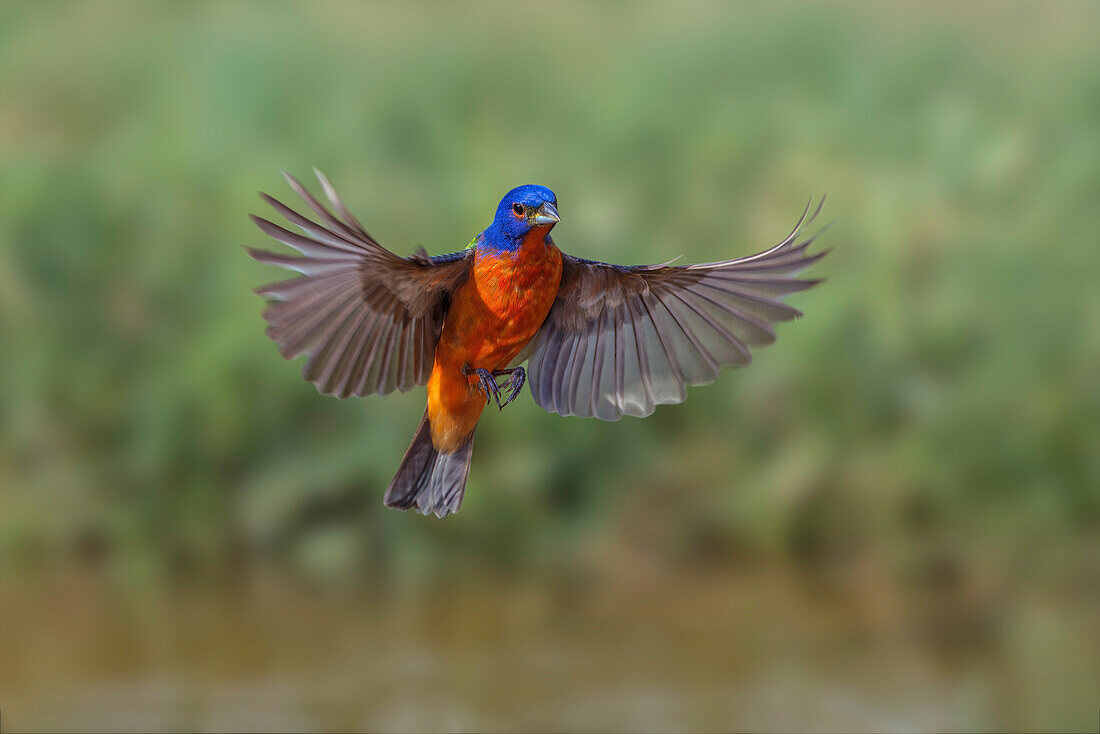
(368, 319)
(620, 340)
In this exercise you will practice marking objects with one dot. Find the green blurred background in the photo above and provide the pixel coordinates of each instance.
(889, 522)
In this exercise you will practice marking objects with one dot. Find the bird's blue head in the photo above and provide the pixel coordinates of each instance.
(522, 209)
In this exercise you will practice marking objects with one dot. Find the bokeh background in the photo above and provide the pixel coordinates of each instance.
(891, 521)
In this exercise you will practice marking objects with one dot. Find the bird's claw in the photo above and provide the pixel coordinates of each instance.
(488, 383)
(516, 377)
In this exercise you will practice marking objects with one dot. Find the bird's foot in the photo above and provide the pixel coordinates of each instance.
(516, 378)
(488, 382)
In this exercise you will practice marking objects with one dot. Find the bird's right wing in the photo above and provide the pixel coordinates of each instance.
(368, 319)
(620, 340)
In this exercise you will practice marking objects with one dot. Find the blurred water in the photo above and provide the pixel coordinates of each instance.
(759, 650)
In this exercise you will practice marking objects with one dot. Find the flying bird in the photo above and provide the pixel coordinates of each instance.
(599, 340)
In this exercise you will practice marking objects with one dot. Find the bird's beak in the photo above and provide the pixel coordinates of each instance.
(546, 214)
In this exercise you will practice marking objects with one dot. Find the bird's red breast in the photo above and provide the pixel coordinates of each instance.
(491, 318)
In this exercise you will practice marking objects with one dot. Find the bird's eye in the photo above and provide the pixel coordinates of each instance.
(518, 209)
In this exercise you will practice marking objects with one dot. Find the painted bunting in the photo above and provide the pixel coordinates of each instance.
(599, 340)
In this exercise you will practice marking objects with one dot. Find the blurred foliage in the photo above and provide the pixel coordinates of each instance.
(935, 414)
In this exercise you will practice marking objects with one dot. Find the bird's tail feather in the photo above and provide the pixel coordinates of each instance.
(431, 480)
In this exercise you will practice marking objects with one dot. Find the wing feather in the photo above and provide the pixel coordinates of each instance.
(349, 352)
(367, 319)
(621, 340)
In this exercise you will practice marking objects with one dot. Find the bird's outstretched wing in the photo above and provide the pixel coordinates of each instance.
(368, 319)
(621, 340)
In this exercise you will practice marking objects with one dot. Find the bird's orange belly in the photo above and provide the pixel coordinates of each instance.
(491, 318)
